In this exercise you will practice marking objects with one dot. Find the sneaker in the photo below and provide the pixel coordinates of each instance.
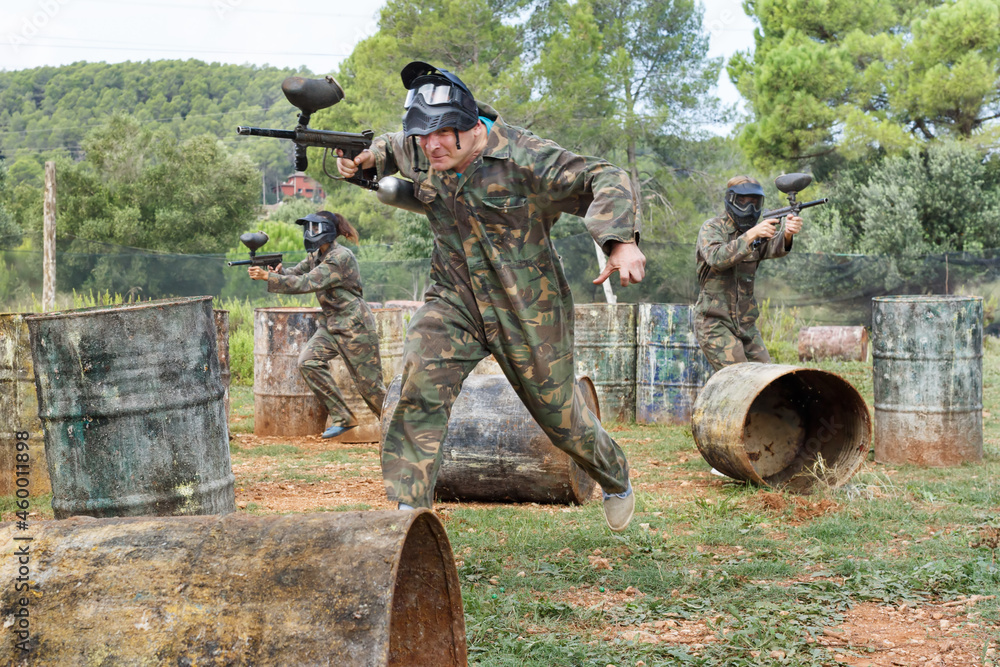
(335, 430)
(404, 506)
(618, 509)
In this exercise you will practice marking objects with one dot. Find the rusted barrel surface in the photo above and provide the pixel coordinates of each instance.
(838, 343)
(927, 363)
(391, 327)
(605, 351)
(495, 451)
(782, 426)
(283, 404)
(19, 413)
(222, 345)
(670, 366)
(132, 403)
(339, 588)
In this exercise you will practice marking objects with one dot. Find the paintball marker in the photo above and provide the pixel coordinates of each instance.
(311, 95)
(253, 241)
(790, 184)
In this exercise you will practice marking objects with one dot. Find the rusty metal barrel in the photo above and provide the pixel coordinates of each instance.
(670, 367)
(222, 345)
(605, 351)
(390, 324)
(19, 422)
(132, 403)
(494, 450)
(283, 404)
(367, 589)
(836, 343)
(782, 426)
(927, 363)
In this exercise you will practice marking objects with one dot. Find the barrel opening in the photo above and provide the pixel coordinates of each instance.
(805, 426)
(427, 625)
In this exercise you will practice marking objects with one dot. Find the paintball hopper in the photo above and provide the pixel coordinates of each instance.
(253, 241)
(311, 95)
(792, 182)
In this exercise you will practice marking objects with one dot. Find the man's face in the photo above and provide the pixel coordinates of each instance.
(443, 152)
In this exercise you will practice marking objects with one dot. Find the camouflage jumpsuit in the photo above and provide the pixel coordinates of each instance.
(348, 330)
(725, 314)
(497, 287)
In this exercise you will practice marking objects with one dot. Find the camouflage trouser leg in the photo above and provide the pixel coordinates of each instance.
(442, 347)
(724, 348)
(360, 352)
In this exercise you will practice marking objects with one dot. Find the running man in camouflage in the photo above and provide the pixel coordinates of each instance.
(331, 271)
(729, 249)
(492, 192)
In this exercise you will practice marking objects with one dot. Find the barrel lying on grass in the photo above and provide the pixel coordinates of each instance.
(837, 343)
(339, 588)
(133, 406)
(495, 451)
(782, 426)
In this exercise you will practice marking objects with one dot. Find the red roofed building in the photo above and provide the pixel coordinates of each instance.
(300, 185)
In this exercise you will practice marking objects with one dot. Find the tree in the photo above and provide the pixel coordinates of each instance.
(851, 77)
(10, 232)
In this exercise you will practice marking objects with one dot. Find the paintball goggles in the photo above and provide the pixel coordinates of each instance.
(253, 241)
(310, 96)
(791, 185)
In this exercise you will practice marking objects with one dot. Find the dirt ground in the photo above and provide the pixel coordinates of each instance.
(871, 635)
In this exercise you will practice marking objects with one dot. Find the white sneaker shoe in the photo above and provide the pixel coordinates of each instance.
(619, 508)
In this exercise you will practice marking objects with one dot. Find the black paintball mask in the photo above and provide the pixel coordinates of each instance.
(745, 214)
(316, 231)
(436, 99)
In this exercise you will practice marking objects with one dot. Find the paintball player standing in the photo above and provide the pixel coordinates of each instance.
(492, 192)
(331, 271)
(729, 249)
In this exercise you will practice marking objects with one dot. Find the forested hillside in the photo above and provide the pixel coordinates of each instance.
(48, 111)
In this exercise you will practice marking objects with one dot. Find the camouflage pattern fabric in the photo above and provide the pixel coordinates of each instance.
(348, 330)
(726, 312)
(498, 288)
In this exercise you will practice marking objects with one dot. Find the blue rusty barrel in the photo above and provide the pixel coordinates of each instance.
(494, 450)
(670, 366)
(605, 351)
(357, 589)
(19, 422)
(782, 426)
(927, 363)
(283, 404)
(132, 402)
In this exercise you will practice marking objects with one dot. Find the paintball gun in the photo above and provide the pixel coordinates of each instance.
(253, 241)
(790, 184)
(311, 95)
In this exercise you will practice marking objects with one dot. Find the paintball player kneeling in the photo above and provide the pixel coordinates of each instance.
(331, 271)
(729, 249)
(491, 192)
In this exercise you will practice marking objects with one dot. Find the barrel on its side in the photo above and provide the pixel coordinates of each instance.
(19, 413)
(605, 351)
(837, 343)
(495, 451)
(927, 363)
(283, 404)
(670, 367)
(132, 402)
(391, 327)
(222, 345)
(372, 589)
(782, 426)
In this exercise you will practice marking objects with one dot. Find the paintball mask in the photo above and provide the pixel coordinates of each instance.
(436, 98)
(317, 230)
(745, 214)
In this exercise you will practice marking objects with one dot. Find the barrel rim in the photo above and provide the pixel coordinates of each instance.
(125, 307)
(288, 309)
(925, 298)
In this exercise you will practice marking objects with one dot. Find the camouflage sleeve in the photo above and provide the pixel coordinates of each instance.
(297, 270)
(719, 252)
(592, 188)
(327, 274)
(776, 246)
(384, 149)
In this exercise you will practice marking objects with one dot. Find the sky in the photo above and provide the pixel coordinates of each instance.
(291, 33)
